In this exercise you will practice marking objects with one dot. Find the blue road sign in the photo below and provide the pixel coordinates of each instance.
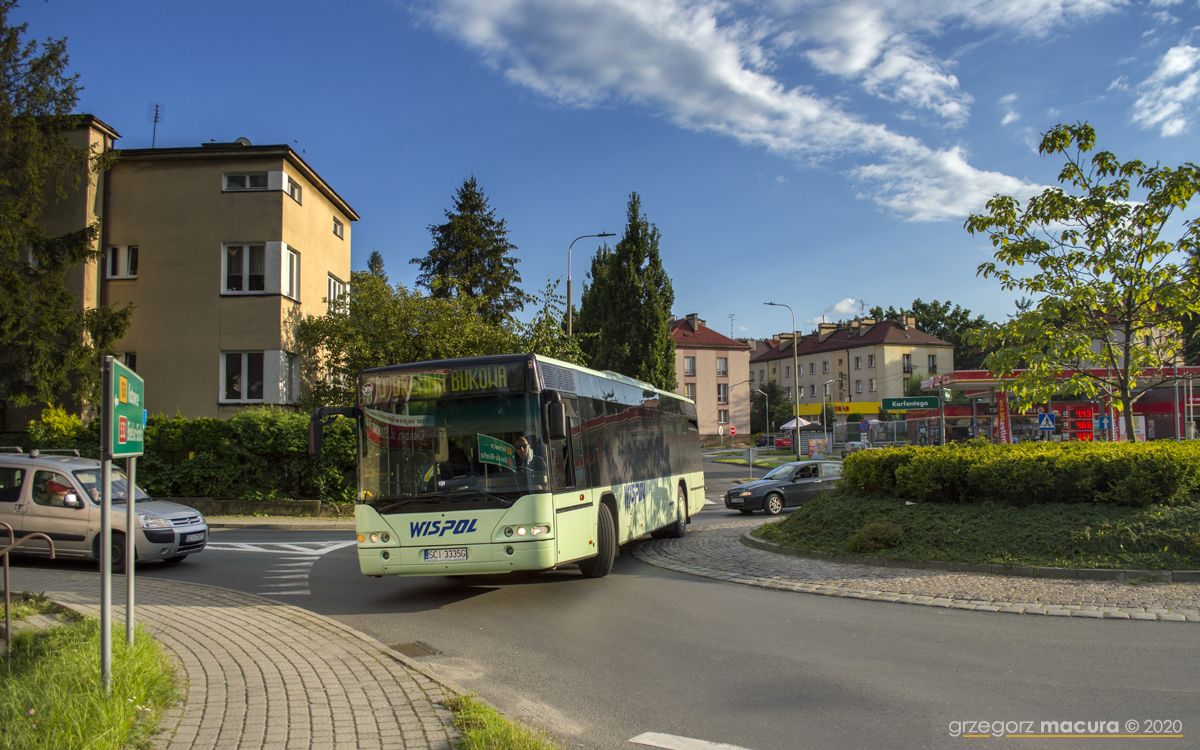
(1046, 421)
(1104, 423)
(864, 426)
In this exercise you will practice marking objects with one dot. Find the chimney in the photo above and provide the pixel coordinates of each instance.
(825, 330)
(910, 322)
(694, 321)
(867, 324)
(854, 328)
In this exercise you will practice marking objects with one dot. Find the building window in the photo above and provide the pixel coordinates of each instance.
(338, 229)
(825, 389)
(858, 386)
(253, 181)
(245, 268)
(689, 367)
(722, 366)
(752, 376)
(870, 360)
(871, 384)
(812, 391)
(812, 368)
(689, 390)
(294, 190)
(787, 371)
(858, 363)
(242, 376)
(932, 363)
(290, 370)
(762, 374)
(123, 262)
(723, 416)
(825, 367)
(907, 362)
(789, 391)
(291, 275)
(130, 360)
(722, 393)
(336, 288)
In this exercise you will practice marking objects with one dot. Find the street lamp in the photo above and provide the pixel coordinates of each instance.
(795, 374)
(577, 239)
(824, 424)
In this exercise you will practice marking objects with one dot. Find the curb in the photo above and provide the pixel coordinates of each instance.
(1092, 574)
(266, 523)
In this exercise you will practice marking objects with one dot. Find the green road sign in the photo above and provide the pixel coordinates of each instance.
(126, 406)
(911, 402)
(497, 452)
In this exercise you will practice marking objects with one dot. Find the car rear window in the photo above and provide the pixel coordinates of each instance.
(831, 470)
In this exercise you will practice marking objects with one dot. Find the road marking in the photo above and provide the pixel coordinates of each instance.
(672, 742)
(289, 548)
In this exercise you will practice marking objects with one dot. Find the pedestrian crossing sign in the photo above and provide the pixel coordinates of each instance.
(1046, 421)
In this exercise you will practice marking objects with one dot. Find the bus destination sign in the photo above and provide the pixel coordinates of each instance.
(387, 388)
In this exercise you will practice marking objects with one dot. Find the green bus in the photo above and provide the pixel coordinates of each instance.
(485, 465)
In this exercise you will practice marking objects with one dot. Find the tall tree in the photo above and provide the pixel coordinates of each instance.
(627, 306)
(769, 394)
(1109, 297)
(49, 347)
(470, 257)
(547, 333)
(375, 265)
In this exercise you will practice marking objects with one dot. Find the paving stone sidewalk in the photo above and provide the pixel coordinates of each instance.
(717, 552)
(264, 675)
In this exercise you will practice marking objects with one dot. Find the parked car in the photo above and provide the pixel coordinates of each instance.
(786, 486)
(761, 441)
(854, 446)
(59, 495)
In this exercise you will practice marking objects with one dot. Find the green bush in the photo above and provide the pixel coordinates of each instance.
(875, 536)
(259, 453)
(1132, 474)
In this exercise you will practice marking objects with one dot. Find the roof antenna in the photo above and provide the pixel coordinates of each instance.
(155, 117)
(730, 325)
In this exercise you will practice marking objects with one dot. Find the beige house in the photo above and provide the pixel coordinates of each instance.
(714, 371)
(222, 248)
(855, 367)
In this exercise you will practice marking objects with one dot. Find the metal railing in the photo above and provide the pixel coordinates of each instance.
(13, 544)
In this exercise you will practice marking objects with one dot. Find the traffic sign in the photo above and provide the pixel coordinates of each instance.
(126, 404)
(911, 402)
(732, 430)
(864, 425)
(1046, 421)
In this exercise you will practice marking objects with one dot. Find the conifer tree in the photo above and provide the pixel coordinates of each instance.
(471, 257)
(626, 306)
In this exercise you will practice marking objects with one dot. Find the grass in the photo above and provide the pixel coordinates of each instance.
(1057, 536)
(51, 696)
(27, 604)
(483, 728)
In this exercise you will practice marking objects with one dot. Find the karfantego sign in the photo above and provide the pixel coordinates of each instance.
(122, 435)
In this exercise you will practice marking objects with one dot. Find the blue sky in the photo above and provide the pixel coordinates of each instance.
(817, 153)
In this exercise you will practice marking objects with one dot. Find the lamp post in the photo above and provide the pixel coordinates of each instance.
(795, 375)
(824, 423)
(577, 239)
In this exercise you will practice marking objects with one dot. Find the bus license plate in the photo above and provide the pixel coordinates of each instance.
(443, 555)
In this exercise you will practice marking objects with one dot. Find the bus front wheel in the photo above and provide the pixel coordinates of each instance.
(606, 546)
(679, 527)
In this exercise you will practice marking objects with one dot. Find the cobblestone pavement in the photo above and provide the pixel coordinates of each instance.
(326, 685)
(717, 552)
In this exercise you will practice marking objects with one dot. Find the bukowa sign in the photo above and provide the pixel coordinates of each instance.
(912, 402)
(126, 406)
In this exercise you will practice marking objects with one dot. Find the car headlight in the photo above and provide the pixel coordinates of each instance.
(747, 493)
(153, 522)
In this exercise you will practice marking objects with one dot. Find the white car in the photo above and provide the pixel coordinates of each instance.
(59, 496)
(854, 446)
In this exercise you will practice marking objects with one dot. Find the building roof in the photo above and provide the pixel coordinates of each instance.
(691, 333)
(886, 332)
(244, 151)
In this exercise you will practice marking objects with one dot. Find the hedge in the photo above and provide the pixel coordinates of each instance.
(1132, 474)
(259, 453)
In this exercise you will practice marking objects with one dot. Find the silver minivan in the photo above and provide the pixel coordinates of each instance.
(59, 496)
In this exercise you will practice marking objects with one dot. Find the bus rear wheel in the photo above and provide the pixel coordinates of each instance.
(606, 546)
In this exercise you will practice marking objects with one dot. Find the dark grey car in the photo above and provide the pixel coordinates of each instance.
(787, 486)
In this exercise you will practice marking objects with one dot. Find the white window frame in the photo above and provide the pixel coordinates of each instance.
(722, 393)
(689, 390)
(812, 368)
(858, 386)
(339, 229)
(121, 253)
(787, 371)
(722, 367)
(290, 377)
(762, 375)
(334, 288)
(245, 368)
(932, 363)
(858, 363)
(266, 182)
(245, 268)
(906, 363)
(295, 190)
(722, 416)
(689, 367)
(812, 393)
(291, 273)
(825, 366)
(871, 384)
(870, 360)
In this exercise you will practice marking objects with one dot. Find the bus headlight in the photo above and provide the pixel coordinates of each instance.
(374, 538)
(540, 530)
(520, 531)
(385, 537)
(508, 531)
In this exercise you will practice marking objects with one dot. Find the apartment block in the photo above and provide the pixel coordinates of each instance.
(714, 371)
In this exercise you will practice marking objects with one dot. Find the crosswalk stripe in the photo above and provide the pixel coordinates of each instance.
(673, 742)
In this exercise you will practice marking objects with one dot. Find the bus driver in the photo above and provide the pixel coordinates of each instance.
(527, 459)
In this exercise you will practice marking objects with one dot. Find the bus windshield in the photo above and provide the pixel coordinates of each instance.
(477, 451)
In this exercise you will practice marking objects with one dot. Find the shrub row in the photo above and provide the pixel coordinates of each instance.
(1131, 474)
(260, 453)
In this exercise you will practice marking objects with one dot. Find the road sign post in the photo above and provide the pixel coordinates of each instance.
(122, 434)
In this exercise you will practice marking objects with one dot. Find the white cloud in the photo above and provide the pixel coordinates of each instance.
(1169, 97)
(1010, 115)
(1119, 84)
(700, 66)
(781, 180)
(1164, 3)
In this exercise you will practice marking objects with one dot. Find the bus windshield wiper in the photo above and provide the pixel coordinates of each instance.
(482, 494)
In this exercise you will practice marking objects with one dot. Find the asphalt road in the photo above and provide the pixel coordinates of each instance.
(650, 650)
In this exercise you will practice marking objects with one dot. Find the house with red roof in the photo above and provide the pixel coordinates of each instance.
(714, 371)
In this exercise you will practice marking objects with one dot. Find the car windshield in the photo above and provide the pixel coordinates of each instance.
(781, 472)
(442, 440)
(90, 479)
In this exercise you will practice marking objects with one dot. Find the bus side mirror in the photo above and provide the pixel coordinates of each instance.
(556, 420)
(316, 432)
(316, 425)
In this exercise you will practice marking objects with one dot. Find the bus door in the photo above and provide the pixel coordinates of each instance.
(574, 501)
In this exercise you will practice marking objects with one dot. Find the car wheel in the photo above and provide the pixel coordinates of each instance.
(118, 552)
(606, 546)
(175, 560)
(679, 528)
(773, 504)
